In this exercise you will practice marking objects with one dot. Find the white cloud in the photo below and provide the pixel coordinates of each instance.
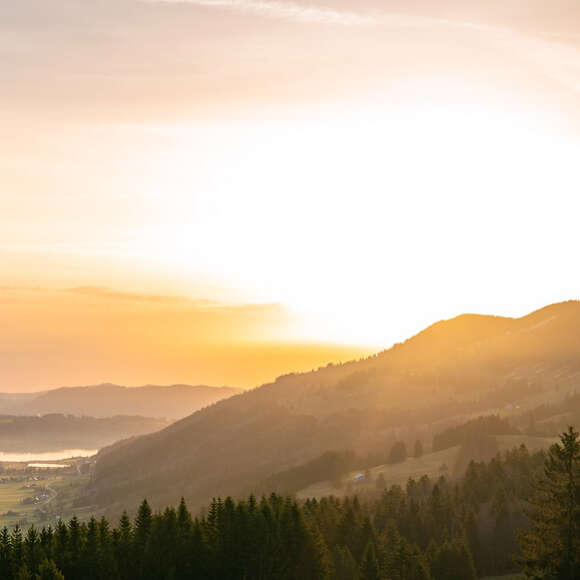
(282, 10)
(557, 59)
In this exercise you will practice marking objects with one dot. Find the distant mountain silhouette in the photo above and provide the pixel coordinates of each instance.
(453, 370)
(56, 432)
(171, 402)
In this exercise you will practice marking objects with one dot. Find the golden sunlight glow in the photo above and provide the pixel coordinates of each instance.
(333, 176)
(340, 217)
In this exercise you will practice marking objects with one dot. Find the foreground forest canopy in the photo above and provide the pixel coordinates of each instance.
(429, 530)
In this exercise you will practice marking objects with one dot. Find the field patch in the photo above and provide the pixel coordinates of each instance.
(431, 464)
(39, 497)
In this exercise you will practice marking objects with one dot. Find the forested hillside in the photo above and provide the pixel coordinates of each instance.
(452, 371)
(427, 530)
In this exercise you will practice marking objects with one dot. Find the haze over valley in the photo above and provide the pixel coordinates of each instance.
(107, 400)
(289, 290)
(451, 372)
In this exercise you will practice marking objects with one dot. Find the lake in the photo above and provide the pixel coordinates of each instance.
(46, 455)
(49, 465)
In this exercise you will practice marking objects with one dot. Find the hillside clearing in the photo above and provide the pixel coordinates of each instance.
(432, 464)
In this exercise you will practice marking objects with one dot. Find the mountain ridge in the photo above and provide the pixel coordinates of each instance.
(108, 399)
(451, 370)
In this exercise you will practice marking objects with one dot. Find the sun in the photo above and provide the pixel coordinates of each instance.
(341, 217)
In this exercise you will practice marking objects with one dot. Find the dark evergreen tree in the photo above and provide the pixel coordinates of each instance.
(5, 554)
(33, 549)
(141, 533)
(183, 548)
(24, 573)
(122, 547)
(502, 543)
(345, 566)
(48, 571)
(452, 560)
(47, 541)
(90, 552)
(348, 527)
(472, 535)
(398, 453)
(17, 552)
(316, 561)
(551, 547)
(369, 566)
(380, 482)
(60, 544)
(418, 450)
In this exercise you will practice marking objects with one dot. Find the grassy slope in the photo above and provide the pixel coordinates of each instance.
(430, 464)
(506, 442)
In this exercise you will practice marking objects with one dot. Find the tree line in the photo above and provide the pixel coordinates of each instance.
(428, 530)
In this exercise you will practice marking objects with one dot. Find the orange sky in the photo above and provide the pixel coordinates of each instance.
(89, 335)
(221, 191)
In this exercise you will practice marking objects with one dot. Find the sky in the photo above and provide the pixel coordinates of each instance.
(221, 191)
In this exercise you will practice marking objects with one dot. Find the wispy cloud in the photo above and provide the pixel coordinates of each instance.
(281, 10)
(107, 293)
(556, 58)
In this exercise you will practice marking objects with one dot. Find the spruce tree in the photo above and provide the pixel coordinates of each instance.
(47, 541)
(418, 451)
(60, 544)
(380, 482)
(23, 573)
(348, 527)
(315, 560)
(73, 554)
(107, 563)
(551, 547)
(183, 549)
(398, 453)
(369, 566)
(17, 551)
(123, 541)
(5, 553)
(502, 544)
(141, 534)
(452, 560)
(48, 571)
(345, 567)
(143, 523)
(33, 549)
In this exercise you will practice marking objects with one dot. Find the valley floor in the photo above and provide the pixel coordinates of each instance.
(39, 497)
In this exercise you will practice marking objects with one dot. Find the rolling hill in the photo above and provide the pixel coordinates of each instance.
(107, 400)
(451, 371)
